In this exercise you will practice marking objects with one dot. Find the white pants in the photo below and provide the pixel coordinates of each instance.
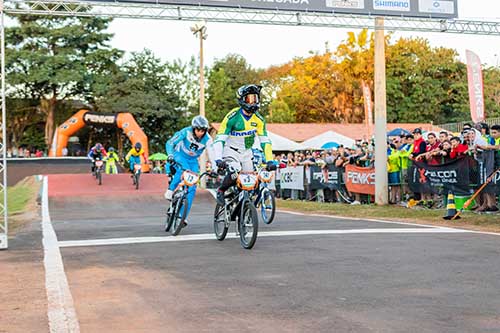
(240, 160)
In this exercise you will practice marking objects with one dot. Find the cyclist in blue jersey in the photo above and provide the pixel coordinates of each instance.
(184, 148)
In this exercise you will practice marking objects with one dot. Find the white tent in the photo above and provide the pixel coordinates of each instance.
(318, 141)
(280, 143)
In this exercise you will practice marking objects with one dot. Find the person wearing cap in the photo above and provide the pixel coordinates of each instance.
(419, 145)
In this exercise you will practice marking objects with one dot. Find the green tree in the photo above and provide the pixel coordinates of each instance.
(424, 83)
(224, 78)
(55, 58)
(149, 90)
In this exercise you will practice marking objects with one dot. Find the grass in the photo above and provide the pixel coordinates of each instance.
(469, 220)
(19, 196)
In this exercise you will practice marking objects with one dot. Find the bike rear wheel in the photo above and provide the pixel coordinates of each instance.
(179, 216)
(221, 225)
(267, 206)
(248, 225)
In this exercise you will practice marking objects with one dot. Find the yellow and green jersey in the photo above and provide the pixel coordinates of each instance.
(240, 131)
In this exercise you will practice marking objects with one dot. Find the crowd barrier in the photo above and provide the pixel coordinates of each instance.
(460, 177)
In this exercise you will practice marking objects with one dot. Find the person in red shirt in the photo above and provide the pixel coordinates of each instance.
(458, 149)
(431, 149)
(419, 144)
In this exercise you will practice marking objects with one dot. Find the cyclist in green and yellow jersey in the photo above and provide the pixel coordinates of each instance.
(238, 133)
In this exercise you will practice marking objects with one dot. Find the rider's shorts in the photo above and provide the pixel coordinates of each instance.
(238, 159)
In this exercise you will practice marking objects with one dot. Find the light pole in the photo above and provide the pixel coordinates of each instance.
(200, 29)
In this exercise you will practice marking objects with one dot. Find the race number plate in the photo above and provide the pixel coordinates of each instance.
(190, 178)
(98, 163)
(265, 176)
(247, 181)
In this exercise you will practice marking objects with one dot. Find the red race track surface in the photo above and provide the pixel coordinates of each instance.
(121, 184)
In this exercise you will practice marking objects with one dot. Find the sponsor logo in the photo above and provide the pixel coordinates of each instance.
(98, 119)
(130, 133)
(351, 4)
(294, 2)
(442, 176)
(392, 5)
(287, 177)
(64, 126)
(436, 6)
(243, 133)
(253, 124)
(73, 120)
(361, 178)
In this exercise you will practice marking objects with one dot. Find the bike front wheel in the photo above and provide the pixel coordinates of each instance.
(267, 206)
(221, 225)
(99, 177)
(179, 216)
(249, 225)
(137, 177)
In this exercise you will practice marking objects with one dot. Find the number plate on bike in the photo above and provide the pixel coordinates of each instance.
(137, 167)
(265, 176)
(247, 181)
(190, 178)
(98, 163)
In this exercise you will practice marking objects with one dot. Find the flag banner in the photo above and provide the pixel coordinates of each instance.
(367, 94)
(476, 91)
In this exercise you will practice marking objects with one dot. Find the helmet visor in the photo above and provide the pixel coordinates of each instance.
(251, 99)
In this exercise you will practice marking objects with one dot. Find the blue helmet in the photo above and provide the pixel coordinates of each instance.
(138, 145)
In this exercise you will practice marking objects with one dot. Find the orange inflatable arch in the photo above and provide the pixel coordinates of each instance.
(125, 121)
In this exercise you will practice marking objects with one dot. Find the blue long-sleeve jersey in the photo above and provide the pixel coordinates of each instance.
(184, 143)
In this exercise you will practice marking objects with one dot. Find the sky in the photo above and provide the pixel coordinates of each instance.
(266, 45)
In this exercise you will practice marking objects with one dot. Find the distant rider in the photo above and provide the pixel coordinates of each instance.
(236, 137)
(111, 161)
(184, 148)
(96, 152)
(134, 156)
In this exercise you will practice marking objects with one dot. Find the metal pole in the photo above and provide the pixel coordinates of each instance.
(381, 188)
(203, 157)
(3, 151)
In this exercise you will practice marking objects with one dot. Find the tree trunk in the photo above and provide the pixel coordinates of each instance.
(48, 106)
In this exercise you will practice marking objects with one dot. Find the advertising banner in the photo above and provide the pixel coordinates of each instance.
(318, 176)
(292, 178)
(409, 8)
(453, 177)
(360, 180)
(476, 92)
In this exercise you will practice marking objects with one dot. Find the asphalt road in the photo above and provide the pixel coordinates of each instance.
(359, 282)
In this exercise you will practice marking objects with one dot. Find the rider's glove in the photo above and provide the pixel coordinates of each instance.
(271, 166)
(170, 159)
(221, 164)
(93, 161)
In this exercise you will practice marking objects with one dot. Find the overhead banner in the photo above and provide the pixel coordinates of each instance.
(292, 178)
(330, 177)
(360, 180)
(476, 91)
(409, 8)
(454, 177)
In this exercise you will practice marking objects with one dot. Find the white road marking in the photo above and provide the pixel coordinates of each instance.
(336, 217)
(199, 237)
(60, 308)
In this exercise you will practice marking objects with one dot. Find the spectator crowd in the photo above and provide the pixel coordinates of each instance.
(478, 141)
